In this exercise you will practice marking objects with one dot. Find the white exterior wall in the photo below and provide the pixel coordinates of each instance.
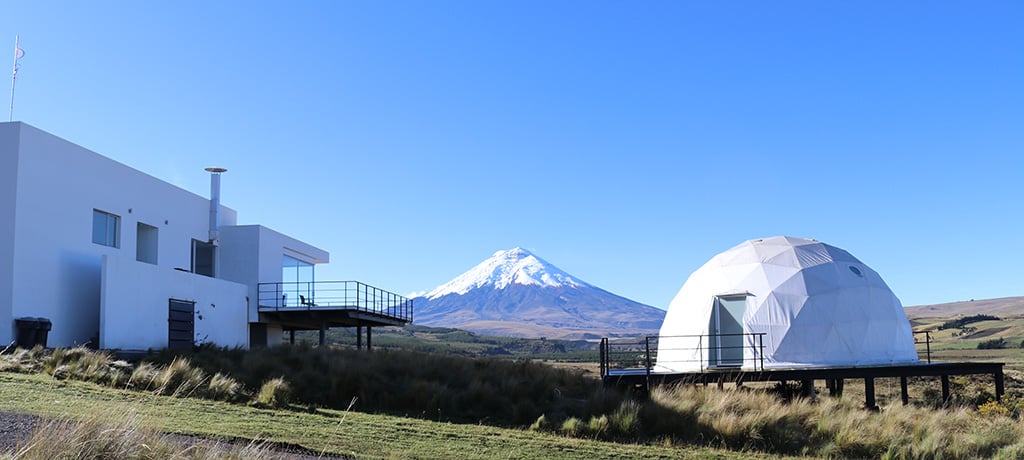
(240, 263)
(134, 306)
(9, 134)
(56, 266)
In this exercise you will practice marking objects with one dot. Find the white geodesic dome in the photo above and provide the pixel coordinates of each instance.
(816, 305)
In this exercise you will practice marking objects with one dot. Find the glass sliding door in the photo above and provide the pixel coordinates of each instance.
(298, 281)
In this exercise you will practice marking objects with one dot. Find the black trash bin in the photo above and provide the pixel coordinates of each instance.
(26, 332)
(43, 326)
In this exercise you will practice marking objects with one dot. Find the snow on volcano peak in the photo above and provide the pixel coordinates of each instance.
(504, 268)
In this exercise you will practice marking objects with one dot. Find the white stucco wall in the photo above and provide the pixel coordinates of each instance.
(134, 306)
(9, 134)
(55, 265)
(240, 263)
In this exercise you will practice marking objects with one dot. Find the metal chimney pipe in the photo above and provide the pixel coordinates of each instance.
(215, 204)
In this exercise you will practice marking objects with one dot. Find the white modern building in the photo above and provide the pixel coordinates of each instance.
(118, 259)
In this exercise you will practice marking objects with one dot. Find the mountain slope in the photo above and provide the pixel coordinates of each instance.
(515, 293)
(1000, 307)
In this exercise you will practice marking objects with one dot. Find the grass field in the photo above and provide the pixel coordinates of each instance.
(460, 342)
(333, 432)
(483, 403)
(961, 343)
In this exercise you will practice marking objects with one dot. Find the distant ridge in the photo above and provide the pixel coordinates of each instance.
(515, 293)
(1005, 306)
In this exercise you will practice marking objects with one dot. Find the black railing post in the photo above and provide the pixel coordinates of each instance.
(647, 352)
(603, 356)
(700, 351)
(928, 345)
(760, 339)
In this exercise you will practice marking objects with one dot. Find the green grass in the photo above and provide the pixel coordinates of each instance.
(947, 346)
(335, 432)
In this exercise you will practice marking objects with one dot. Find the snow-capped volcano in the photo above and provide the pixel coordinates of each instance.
(504, 268)
(515, 293)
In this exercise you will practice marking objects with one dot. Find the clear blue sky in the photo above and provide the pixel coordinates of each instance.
(625, 142)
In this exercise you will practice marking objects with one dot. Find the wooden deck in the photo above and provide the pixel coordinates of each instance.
(643, 378)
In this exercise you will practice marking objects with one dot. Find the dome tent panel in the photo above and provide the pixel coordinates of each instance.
(812, 255)
(816, 304)
(781, 255)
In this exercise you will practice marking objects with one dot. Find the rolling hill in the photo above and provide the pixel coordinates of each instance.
(999, 307)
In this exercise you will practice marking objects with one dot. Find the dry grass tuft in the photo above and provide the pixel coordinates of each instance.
(180, 379)
(127, 439)
(274, 393)
(224, 388)
(81, 363)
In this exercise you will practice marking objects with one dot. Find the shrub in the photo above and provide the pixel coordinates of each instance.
(992, 344)
(538, 424)
(81, 363)
(143, 376)
(432, 386)
(626, 419)
(274, 393)
(22, 360)
(961, 322)
(571, 426)
(180, 379)
(224, 388)
(598, 426)
(993, 409)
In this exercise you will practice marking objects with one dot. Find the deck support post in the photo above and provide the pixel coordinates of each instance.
(291, 336)
(807, 388)
(903, 390)
(323, 332)
(869, 393)
(835, 387)
(369, 338)
(359, 337)
(999, 384)
(945, 388)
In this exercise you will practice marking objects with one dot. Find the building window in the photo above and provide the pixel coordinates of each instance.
(146, 243)
(203, 258)
(106, 228)
(298, 281)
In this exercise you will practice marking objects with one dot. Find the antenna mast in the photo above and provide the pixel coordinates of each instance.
(18, 53)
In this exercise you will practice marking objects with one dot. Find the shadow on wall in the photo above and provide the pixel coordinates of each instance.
(75, 312)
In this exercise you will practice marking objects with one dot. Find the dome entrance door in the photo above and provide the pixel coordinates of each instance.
(726, 331)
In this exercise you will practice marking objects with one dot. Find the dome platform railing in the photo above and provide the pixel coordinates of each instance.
(710, 352)
(634, 364)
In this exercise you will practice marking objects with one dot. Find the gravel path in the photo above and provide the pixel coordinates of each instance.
(15, 428)
(18, 428)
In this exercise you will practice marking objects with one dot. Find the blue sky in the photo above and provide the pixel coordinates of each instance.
(625, 142)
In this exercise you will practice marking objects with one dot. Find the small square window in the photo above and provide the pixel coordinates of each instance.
(106, 228)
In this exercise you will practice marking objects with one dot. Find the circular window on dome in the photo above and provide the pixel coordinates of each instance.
(856, 271)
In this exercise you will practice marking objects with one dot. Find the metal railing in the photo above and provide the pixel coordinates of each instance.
(707, 352)
(927, 343)
(333, 295)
